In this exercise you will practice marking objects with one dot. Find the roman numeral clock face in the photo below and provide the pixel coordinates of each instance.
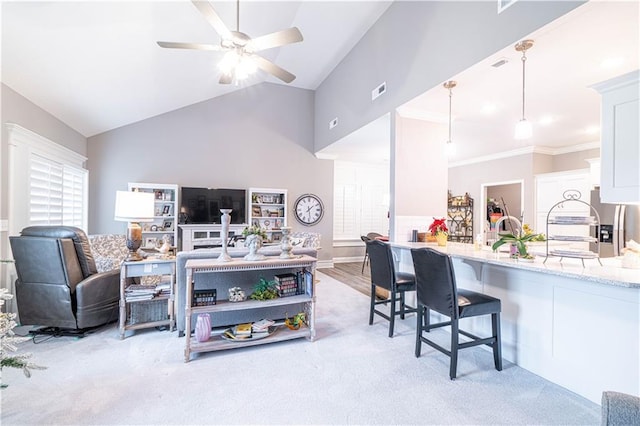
(308, 209)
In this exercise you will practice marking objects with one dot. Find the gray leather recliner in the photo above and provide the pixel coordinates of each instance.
(58, 284)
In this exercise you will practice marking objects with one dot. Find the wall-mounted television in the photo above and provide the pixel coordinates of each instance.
(202, 205)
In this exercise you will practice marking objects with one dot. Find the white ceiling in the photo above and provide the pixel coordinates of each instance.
(567, 58)
(96, 65)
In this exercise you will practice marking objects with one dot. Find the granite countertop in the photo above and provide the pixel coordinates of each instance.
(611, 272)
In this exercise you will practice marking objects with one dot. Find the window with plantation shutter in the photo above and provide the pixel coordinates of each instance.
(56, 193)
(361, 200)
(48, 183)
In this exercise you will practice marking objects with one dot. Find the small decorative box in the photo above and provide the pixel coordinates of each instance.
(204, 297)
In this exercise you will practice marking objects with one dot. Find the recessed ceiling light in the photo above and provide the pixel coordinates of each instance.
(592, 130)
(546, 120)
(614, 62)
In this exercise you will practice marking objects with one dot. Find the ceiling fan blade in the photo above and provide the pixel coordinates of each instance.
(210, 14)
(279, 38)
(273, 69)
(197, 46)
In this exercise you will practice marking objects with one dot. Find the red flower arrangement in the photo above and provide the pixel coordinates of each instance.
(438, 225)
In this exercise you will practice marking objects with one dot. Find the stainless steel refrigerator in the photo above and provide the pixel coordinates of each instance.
(618, 223)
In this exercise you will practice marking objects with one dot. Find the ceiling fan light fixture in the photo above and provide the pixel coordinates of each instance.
(245, 67)
(228, 62)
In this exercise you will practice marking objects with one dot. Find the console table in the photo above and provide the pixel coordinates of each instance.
(195, 267)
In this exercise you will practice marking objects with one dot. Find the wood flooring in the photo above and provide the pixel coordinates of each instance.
(352, 275)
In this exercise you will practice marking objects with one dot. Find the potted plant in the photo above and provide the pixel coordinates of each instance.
(518, 244)
(438, 228)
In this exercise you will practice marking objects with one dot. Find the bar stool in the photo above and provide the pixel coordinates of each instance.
(436, 289)
(384, 275)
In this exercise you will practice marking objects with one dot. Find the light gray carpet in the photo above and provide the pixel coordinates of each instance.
(352, 374)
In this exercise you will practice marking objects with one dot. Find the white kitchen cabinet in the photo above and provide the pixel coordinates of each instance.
(620, 139)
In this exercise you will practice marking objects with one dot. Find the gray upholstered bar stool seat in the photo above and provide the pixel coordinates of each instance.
(384, 275)
(436, 289)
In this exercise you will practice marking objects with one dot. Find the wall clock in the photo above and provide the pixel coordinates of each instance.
(308, 209)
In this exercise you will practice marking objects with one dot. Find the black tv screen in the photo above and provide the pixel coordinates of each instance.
(202, 205)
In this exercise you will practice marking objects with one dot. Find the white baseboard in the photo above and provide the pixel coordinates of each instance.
(324, 264)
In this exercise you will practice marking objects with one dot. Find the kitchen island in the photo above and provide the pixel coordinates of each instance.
(576, 326)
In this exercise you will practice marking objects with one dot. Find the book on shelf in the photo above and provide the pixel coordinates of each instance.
(242, 329)
(137, 292)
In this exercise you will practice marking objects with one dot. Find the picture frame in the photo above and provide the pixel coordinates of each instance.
(167, 225)
(166, 210)
(276, 237)
(256, 211)
(150, 242)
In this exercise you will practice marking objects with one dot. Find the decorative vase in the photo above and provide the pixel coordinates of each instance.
(226, 219)
(441, 238)
(203, 327)
(254, 242)
(286, 244)
(166, 245)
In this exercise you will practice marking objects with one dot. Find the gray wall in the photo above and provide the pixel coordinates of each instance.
(468, 178)
(574, 160)
(258, 137)
(414, 46)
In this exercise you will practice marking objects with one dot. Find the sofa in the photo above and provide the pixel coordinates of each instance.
(109, 250)
(244, 279)
(620, 409)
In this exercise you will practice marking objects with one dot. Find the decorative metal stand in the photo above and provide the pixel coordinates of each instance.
(226, 219)
(286, 244)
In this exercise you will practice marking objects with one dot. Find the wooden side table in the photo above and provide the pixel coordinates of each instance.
(147, 267)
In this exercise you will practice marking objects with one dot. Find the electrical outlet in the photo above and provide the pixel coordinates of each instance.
(4, 225)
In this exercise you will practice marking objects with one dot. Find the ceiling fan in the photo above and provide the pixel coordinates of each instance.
(241, 59)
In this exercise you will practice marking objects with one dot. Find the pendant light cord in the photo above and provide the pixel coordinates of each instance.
(238, 15)
(524, 59)
(450, 95)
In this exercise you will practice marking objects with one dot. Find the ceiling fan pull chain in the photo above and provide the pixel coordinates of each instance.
(238, 15)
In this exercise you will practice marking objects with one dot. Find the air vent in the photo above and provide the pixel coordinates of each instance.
(333, 123)
(379, 90)
(500, 62)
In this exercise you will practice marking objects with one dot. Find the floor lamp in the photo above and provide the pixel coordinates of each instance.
(134, 207)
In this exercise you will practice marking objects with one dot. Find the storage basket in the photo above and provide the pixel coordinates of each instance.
(147, 311)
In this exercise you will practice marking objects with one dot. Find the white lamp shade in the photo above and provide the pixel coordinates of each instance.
(523, 130)
(134, 206)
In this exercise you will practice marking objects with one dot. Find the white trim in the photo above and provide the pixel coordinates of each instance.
(348, 243)
(50, 149)
(322, 264)
(527, 150)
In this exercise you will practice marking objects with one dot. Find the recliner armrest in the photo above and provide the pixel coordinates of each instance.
(98, 287)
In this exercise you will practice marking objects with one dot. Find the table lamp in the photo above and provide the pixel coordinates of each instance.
(134, 207)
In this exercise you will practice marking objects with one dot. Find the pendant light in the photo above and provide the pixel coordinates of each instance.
(449, 85)
(523, 127)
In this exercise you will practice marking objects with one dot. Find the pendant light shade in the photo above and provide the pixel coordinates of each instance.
(449, 85)
(523, 127)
